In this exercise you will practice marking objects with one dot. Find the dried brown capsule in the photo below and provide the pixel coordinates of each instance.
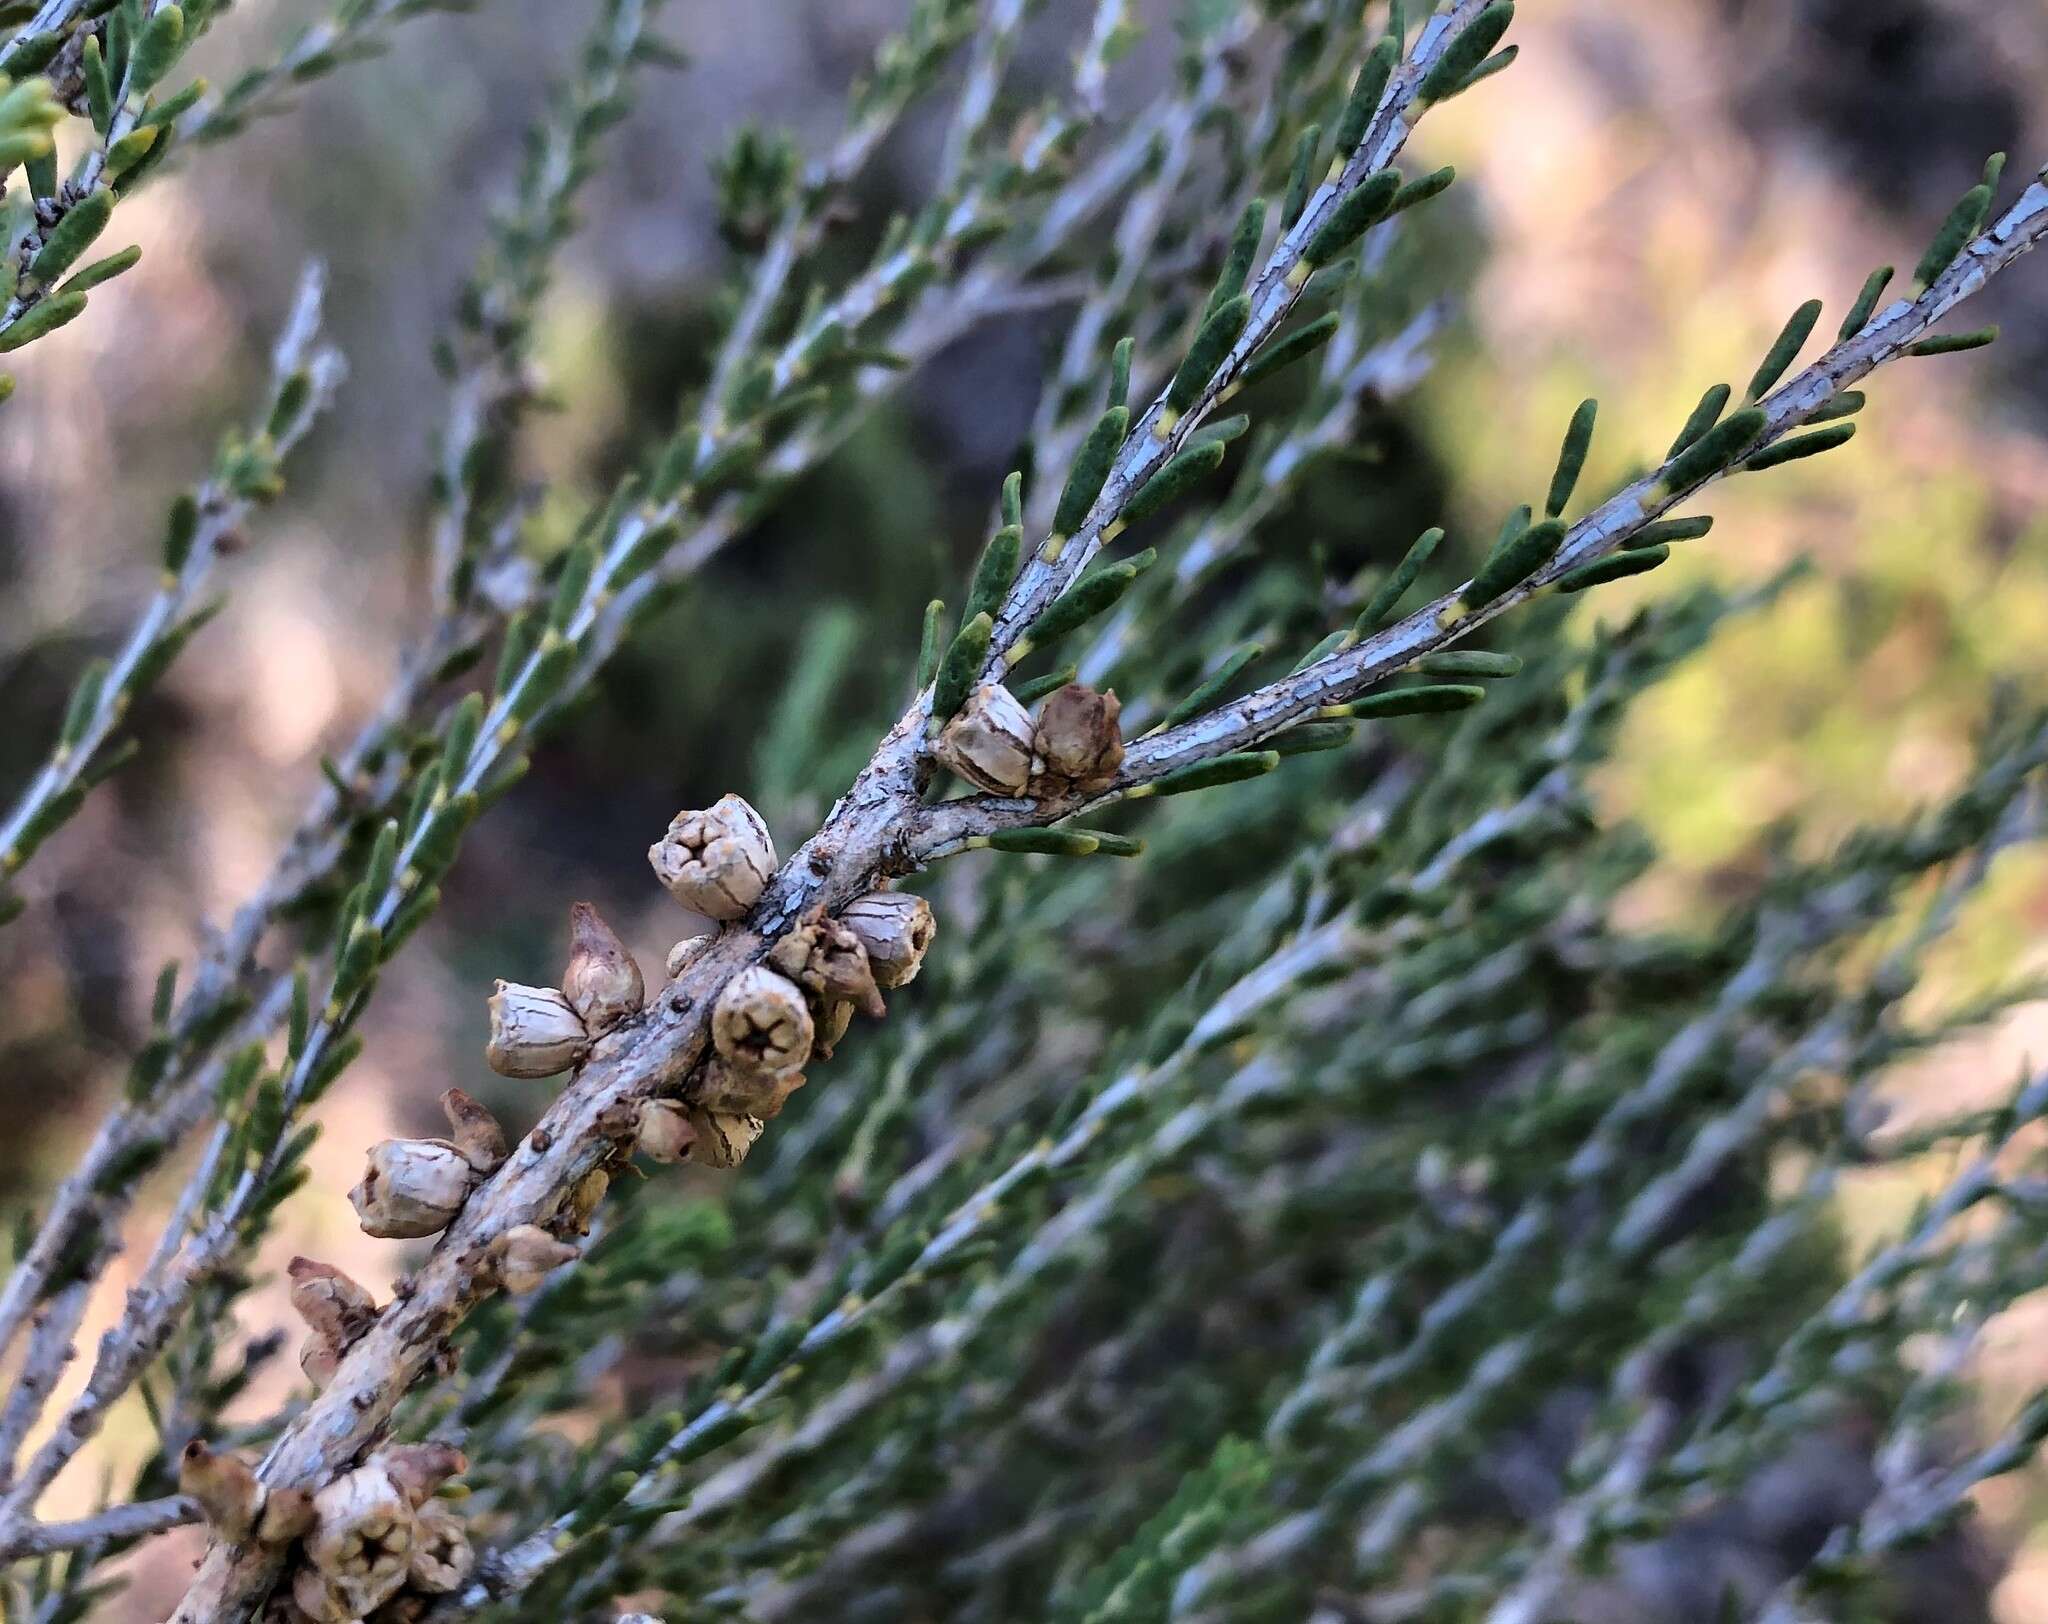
(420, 1469)
(474, 1131)
(535, 1032)
(716, 862)
(287, 1515)
(833, 1021)
(360, 1548)
(830, 959)
(684, 951)
(441, 1553)
(601, 981)
(988, 742)
(895, 927)
(225, 1487)
(525, 1255)
(761, 1023)
(722, 1140)
(586, 1198)
(1077, 743)
(336, 1311)
(412, 1187)
(328, 1300)
(734, 1091)
(665, 1132)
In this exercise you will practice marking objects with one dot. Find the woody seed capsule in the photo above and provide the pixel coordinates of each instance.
(601, 982)
(336, 1310)
(895, 927)
(665, 1133)
(716, 862)
(412, 1187)
(1077, 743)
(525, 1255)
(830, 960)
(722, 1140)
(535, 1032)
(474, 1131)
(419, 1469)
(731, 1091)
(360, 1549)
(224, 1486)
(761, 1023)
(441, 1554)
(989, 742)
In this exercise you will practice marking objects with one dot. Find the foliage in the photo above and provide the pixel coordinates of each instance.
(1343, 1203)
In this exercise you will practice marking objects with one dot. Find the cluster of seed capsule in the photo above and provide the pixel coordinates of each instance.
(375, 1544)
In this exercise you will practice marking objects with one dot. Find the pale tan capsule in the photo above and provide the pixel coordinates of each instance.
(442, 1557)
(287, 1515)
(665, 1133)
(715, 862)
(535, 1032)
(683, 952)
(336, 1311)
(525, 1255)
(761, 1022)
(723, 1141)
(362, 1541)
(734, 1091)
(988, 742)
(411, 1188)
(420, 1469)
(829, 959)
(601, 981)
(227, 1491)
(895, 927)
(1077, 743)
(474, 1131)
(833, 1021)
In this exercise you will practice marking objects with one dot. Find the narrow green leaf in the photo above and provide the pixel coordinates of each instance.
(1571, 459)
(1462, 57)
(1218, 332)
(1704, 416)
(1365, 207)
(1783, 348)
(1615, 566)
(928, 646)
(961, 667)
(1508, 566)
(1866, 302)
(1803, 445)
(1092, 463)
(1395, 587)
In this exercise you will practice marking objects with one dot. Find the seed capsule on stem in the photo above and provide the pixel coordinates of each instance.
(442, 1557)
(761, 1023)
(525, 1255)
(601, 981)
(733, 1091)
(664, 1134)
(989, 742)
(360, 1548)
(227, 1491)
(535, 1032)
(828, 958)
(723, 1140)
(474, 1131)
(717, 861)
(411, 1188)
(896, 927)
(1077, 743)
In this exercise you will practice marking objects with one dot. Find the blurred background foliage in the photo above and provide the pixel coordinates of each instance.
(1640, 200)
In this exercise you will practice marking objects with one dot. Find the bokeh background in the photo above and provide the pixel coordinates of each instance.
(1642, 200)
